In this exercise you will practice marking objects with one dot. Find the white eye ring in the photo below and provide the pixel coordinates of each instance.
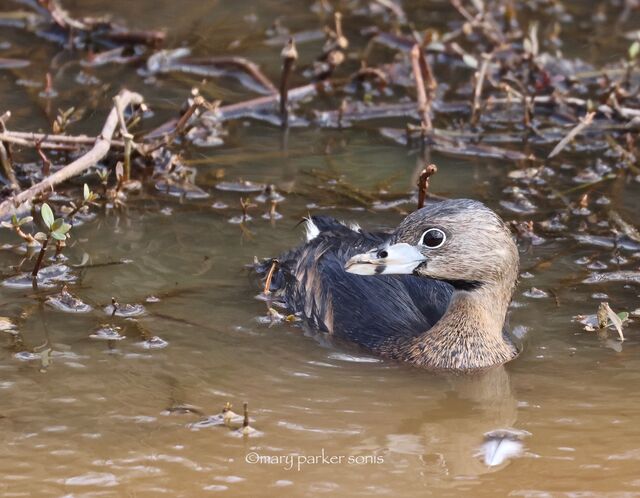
(433, 238)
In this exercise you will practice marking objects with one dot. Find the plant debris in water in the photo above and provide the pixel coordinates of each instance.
(108, 333)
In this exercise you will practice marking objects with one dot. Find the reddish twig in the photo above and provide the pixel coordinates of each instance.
(423, 183)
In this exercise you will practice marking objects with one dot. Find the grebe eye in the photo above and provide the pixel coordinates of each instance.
(433, 238)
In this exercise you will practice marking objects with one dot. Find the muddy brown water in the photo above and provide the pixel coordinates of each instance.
(119, 419)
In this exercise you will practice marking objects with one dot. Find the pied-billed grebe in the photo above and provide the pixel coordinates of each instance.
(433, 293)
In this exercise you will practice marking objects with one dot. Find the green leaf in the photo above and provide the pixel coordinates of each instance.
(47, 215)
(6, 224)
(56, 224)
(59, 236)
(14, 220)
(26, 219)
(623, 315)
(87, 192)
(40, 236)
(64, 228)
(634, 50)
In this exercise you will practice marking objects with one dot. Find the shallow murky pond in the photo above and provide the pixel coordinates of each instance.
(133, 411)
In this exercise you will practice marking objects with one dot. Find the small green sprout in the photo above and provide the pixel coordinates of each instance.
(57, 229)
(63, 119)
(16, 225)
(88, 197)
(88, 194)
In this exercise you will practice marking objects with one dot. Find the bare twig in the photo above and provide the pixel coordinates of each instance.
(289, 57)
(262, 104)
(100, 148)
(267, 283)
(423, 183)
(50, 141)
(43, 250)
(477, 94)
(46, 163)
(5, 155)
(424, 106)
(95, 27)
(584, 122)
(126, 136)
(215, 66)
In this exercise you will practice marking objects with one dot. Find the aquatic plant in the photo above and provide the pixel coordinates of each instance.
(57, 229)
(16, 224)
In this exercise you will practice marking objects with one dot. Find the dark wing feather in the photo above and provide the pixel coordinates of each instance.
(368, 310)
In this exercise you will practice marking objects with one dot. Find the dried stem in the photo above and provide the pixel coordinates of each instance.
(198, 101)
(423, 183)
(245, 422)
(43, 250)
(100, 149)
(60, 245)
(50, 141)
(46, 163)
(267, 283)
(5, 155)
(584, 122)
(205, 66)
(115, 306)
(424, 106)
(477, 94)
(289, 57)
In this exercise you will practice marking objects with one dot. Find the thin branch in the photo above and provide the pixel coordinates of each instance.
(289, 57)
(267, 283)
(50, 141)
(477, 94)
(5, 155)
(100, 149)
(213, 66)
(584, 122)
(424, 106)
(263, 104)
(423, 183)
